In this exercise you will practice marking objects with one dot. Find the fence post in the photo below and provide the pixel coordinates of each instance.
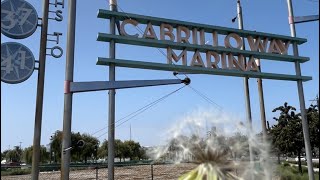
(97, 172)
(151, 171)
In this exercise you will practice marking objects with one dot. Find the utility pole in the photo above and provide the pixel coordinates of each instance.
(245, 80)
(112, 93)
(40, 90)
(67, 115)
(262, 108)
(305, 126)
(130, 131)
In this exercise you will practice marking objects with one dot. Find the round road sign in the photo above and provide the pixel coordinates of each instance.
(17, 62)
(19, 19)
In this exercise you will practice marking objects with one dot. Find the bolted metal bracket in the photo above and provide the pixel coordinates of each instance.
(186, 81)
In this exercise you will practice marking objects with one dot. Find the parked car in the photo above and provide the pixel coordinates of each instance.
(301, 157)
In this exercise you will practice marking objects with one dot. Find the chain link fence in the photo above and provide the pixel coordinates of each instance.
(99, 172)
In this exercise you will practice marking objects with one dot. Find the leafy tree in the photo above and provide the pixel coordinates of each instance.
(314, 125)
(56, 145)
(287, 135)
(103, 150)
(3, 154)
(90, 147)
(76, 150)
(77, 153)
(313, 121)
(14, 155)
(132, 149)
(28, 153)
(44, 154)
(119, 149)
(142, 154)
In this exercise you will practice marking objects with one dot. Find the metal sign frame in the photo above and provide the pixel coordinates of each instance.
(131, 40)
(114, 16)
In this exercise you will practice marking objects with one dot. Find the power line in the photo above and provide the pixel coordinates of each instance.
(139, 111)
(206, 98)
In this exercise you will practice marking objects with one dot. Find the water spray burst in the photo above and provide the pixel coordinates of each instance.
(219, 144)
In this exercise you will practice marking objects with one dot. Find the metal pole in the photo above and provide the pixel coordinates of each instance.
(318, 127)
(112, 92)
(130, 132)
(262, 108)
(263, 123)
(40, 89)
(305, 126)
(151, 171)
(67, 115)
(246, 86)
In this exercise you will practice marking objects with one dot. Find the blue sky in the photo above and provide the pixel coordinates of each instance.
(90, 110)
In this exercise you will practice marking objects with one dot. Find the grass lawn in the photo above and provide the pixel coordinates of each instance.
(287, 172)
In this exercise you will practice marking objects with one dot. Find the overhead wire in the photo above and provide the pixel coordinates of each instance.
(140, 110)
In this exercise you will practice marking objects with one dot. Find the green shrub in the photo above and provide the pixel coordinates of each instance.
(16, 171)
(286, 164)
(292, 173)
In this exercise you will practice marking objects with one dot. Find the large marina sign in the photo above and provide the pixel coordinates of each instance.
(216, 50)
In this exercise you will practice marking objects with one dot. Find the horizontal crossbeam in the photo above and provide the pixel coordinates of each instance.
(193, 47)
(199, 70)
(76, 87)
(207, 28)
(303, 19)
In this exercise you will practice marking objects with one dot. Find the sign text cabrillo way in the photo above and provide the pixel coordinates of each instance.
(182, 34)
(216, 50)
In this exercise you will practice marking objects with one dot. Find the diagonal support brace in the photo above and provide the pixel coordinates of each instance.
(76, 87)
(303, 19)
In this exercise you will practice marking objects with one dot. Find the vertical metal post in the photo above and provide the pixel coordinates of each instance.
(246, 88)
(263, 120)
(130, 132)
(305, 126)
(67, 115)
(40, 89)
(112, 92)
(318, 127)
(97, 171)
(151, 171)
(262, 108)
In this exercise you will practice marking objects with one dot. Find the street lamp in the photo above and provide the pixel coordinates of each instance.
(51, 139)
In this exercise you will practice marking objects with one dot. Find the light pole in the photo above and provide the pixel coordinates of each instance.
(51, 138)
(246, 85)
(305, 126)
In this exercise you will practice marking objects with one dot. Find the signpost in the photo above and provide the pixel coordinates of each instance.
(19, 20)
